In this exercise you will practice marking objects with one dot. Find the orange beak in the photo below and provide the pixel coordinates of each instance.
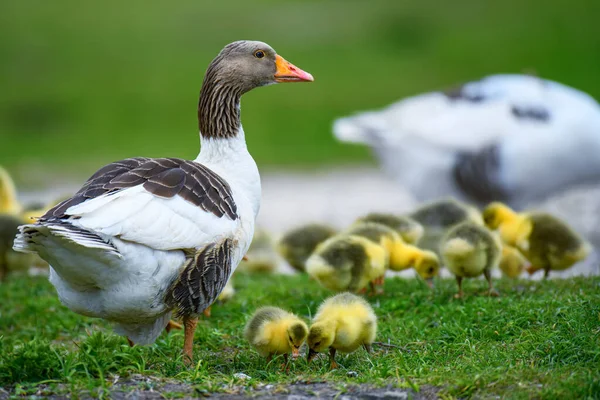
(288, 72)
(295, 352)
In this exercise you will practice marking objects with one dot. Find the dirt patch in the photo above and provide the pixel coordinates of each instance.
(146, 388)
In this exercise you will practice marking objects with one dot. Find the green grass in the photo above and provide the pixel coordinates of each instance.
(539, 339)
(86, 83)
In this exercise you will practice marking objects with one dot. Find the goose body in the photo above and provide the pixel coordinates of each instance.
(147, 237)
(515, 138)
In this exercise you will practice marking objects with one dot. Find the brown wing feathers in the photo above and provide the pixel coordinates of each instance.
(163, 177)
(202, 279)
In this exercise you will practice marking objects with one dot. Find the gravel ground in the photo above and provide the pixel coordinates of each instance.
(139, 387)
(338, 196)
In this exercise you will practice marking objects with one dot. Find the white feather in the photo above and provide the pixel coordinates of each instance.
(417, 139)
(124, 275)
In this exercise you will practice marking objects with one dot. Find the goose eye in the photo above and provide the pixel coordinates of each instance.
(259, 54)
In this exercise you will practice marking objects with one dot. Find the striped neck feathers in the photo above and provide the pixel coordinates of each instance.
(219, 104)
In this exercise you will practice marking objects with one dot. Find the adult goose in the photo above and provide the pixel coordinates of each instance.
(145, 237)
(515, 138)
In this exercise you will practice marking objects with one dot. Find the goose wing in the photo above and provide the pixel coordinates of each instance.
(163, 203)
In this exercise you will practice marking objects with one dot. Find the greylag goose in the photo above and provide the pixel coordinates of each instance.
(145, 237)
(515, 138)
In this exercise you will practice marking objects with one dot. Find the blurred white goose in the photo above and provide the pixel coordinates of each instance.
(147, 236)
(515, 138)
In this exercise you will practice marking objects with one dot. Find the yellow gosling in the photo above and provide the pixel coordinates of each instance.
(409, 230)
(298, 244)
(549, 243)
(272, 331)
(512, 262)
(343, 323)
(469, 250)
(347, 263)
(8, 194)
(439, 216)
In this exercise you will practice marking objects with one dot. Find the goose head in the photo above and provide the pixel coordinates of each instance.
(240, 67)
(245, 65)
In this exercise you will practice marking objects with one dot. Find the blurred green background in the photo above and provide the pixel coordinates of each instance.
(85, 83)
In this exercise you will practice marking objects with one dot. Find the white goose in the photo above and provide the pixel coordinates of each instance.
(145, 237)
(514, 138)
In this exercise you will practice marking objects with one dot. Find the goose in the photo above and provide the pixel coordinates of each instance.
(147, 237)
(513, 138)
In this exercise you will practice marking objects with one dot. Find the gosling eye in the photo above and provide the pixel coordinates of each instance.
(430, 270)
(259, 54)
(317, 344)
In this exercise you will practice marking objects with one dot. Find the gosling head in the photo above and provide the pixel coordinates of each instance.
(320, 338)
(296, 335)
(494, 214)
(427, 265)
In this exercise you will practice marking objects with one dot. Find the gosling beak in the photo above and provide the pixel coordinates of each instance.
(295, 352)
(288, 72)
(311, 355)
(430, 283)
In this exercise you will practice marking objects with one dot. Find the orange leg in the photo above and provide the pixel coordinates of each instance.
(130, 342)
(333, 364)
(459, 295)
(172, 325)
(189, 324)
(491, 291)
(532, 269)
(206, 312)
(285, 366)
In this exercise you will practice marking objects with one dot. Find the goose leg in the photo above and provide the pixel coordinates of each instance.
(373, 288)
(206, 312)
(189, 324)
(285, 366)
(172, 325)
(130, 342)
(546, 273)
(3, 267)
(460, 291)
(488, 276)
(367, 347)
(532, 269)
(333, 364)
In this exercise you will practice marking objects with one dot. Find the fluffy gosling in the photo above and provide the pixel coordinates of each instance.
(261, 256)
(469, 250)
(347, 263)
(439, 216)
(409, 230)
(273, 331)
(298, 244)
(546, 241)
(343, 323)
(512, 262)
